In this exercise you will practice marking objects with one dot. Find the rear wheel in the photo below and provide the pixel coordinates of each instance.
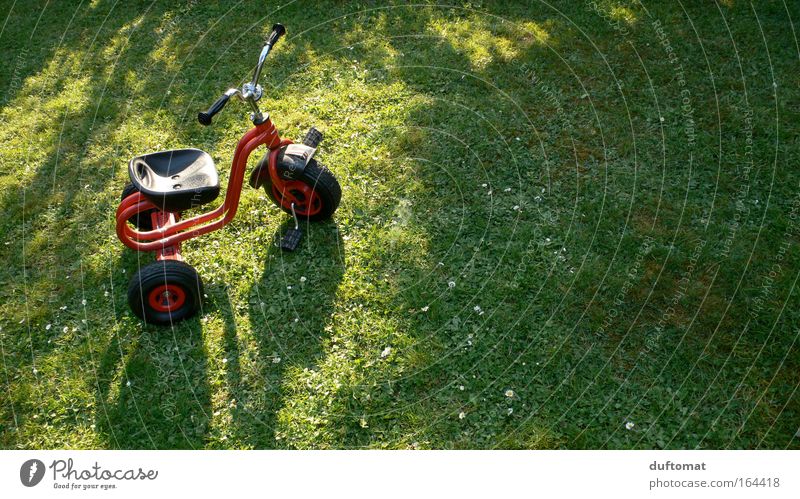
(316, 194)
(142, 220)
(165, 292)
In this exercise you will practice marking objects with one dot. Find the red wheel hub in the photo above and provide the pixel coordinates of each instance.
(167, 298)
(306, 201)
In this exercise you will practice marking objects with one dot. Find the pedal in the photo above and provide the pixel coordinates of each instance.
(313, 138)
(291, 239)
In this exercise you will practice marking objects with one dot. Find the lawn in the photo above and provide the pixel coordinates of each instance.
(563, 225)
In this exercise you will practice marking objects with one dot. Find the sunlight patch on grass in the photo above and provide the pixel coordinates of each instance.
(621, 13)
(476, 40)
(376, 50)
(167, 54)
(113, 50)
(223, 403)
(535, 33)
(28, 133)
(147, 130)
(615, 11)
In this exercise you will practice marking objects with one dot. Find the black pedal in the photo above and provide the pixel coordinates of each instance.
(313, 138)
(291, 239)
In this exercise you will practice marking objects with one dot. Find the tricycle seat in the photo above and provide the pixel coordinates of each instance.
(175, 180)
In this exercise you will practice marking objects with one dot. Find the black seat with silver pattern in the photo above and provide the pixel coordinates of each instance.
(176, 180)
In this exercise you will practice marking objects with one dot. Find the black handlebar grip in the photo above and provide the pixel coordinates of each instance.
(205, 118)
(277, 32)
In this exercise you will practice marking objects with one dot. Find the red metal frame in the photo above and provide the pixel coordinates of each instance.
(170, 231)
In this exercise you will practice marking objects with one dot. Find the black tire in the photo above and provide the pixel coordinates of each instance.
(141, 221)
(325, 186)
(165, 292)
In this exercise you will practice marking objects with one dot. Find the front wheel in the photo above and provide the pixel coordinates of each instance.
(165, 292)
(316, 194)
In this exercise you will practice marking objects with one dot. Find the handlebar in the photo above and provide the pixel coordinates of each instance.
(251, 92)
(277, 32)
(205, 118)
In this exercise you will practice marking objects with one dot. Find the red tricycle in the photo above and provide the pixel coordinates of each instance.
(165, 184)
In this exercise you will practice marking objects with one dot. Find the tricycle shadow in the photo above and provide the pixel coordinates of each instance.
(175, 409)
(289, 308)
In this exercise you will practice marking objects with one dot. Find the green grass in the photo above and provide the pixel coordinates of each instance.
(526, 255)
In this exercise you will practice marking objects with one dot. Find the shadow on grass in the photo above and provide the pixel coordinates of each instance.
(289, 307)
(152, 392)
